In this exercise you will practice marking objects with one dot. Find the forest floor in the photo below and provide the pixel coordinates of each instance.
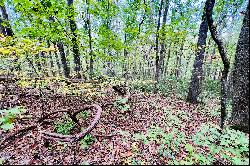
(146, 129)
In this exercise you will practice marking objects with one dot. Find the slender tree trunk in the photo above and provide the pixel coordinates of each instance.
(6, 30)
(240, 114)
(173, 71)
(73, 27)
(206, 73)
(163, 44)
(209, 71)
(57, 62)
(38, 62)
(209, 9)
(157, 64)
(31, 64)
(196, 79)
(110, 71)
(91, 61)
(167, 62)
(125, 54)
(51, 61)
(2, 28)
(66, 69)
(178, 61)
(44, 59)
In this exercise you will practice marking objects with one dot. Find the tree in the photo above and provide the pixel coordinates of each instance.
(157, 58)
(196, 79)
(209, 9)
(5, 27)
(163, 49)
(73, 28)
(66, 69)
(91, 53)
(240, 114)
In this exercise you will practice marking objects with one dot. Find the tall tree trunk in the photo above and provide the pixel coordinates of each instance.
(66, 69)
(31, 65)
(38, 62)
(91, 61)
(44, 59)
(209, 71)
(209, 9)
(157, 64)
(125, 54)
(163, 45)
(240, 114)
(109, 64)
(57, 61)
(167, 60)
(75, 45)
(51, 61)
(196, 79)
(6, 30)
(178, 61)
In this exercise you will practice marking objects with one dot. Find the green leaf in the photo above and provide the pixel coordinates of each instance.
(189, 148)
(15, 110)
(236, 161)
(125, 108)
(4, 120)
(1, 161)
(7, 126)
(123, 100)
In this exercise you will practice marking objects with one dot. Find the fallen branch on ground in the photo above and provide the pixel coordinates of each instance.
(55, 136)
(76, 137)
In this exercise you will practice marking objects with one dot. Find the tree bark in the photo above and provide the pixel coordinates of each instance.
(125, 54)
(51, 61)
(196, 79)
(6, 30)
(163, 49)
(167, 61)
(73, 29)
(58, 62)
(178, 61)
(91, 61)
(157, 64)
(66, 69)
(209, 9)
(240, 114)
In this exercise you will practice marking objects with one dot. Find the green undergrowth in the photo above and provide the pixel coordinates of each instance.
(8, 117)
(204, 147)
(65, 125)
(177, 86)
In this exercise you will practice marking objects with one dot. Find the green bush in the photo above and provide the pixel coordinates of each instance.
(7, 117)
(231, 145)
(64, 126)
(87, 141)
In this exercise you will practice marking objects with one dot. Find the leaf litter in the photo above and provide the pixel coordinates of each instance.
(114, 136)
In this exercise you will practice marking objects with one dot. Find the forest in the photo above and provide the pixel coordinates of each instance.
(124, 82)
